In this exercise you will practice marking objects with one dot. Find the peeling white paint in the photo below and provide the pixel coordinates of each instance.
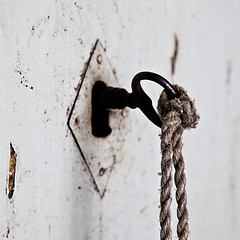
(49, 43)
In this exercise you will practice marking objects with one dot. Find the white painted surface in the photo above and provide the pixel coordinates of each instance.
(44, 45)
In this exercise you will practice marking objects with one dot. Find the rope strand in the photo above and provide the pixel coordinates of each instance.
(176, 115)
(180, 182)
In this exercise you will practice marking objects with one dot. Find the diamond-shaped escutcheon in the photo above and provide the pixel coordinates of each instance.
(99, 153)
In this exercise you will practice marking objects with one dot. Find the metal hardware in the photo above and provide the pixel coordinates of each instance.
(105, 97)
(90, 115)
(100, 154)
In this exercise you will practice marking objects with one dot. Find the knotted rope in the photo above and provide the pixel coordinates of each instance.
(176, 115)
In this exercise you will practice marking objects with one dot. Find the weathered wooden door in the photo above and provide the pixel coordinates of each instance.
(47, 191)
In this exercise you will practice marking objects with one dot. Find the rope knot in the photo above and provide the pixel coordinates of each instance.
(183, 106)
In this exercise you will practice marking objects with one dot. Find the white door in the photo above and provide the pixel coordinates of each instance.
(47, 189)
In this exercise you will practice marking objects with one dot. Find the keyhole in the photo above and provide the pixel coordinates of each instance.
(100, 116)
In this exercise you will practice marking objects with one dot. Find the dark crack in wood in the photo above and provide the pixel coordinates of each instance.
(175, 53)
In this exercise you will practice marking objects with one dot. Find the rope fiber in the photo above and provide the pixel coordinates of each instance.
(176, 115)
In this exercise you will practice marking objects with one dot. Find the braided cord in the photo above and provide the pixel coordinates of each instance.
(166, 186)
(176, 115)
(180, 182)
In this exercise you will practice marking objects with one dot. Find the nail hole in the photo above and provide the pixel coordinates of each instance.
(99, 59)
(102, 171)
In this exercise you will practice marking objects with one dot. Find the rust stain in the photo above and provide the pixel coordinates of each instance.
(76, 121)
(8, 231)
(12, 171)
(6, 235)
(37, 24)
(175, 53)
(22, 74)
(99, 58)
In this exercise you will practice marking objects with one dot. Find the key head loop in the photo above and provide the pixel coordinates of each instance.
(143, 100)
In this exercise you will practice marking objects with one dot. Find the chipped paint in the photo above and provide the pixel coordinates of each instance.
(12, 171)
